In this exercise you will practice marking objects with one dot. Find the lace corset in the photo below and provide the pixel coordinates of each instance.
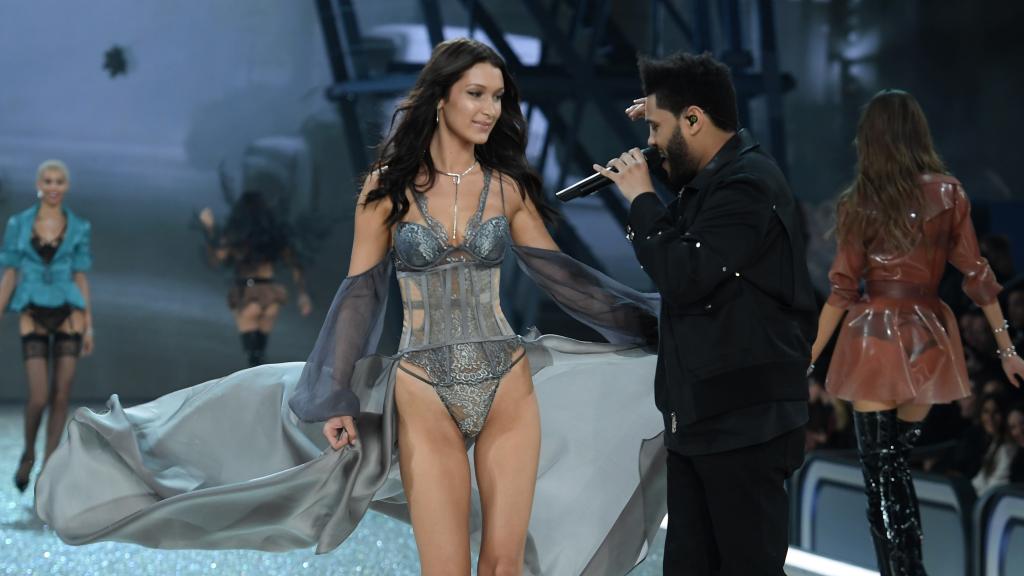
(450, 293)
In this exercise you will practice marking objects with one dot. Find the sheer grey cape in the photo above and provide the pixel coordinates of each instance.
(240, 462)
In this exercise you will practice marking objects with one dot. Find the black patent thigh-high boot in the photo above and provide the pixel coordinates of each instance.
(253, 344)
(876, 449)
(910, 531)
(892, 504)
(259, 355)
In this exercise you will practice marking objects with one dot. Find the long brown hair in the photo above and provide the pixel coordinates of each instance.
(404, 151)
(894, 148)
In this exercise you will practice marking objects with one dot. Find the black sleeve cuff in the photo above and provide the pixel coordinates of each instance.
(645, 210)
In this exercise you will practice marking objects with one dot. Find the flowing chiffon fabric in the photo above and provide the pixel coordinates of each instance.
(240, 462)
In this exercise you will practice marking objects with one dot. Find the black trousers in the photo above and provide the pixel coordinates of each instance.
(728, 513)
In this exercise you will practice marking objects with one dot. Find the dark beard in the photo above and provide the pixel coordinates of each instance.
(682, 166)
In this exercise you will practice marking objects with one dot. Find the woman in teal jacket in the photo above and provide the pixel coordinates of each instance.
(44, 258)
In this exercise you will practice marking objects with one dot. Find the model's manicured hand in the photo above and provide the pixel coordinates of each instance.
(340, 431)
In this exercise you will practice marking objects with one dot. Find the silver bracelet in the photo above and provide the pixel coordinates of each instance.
(1001, 329)
(1006, 353)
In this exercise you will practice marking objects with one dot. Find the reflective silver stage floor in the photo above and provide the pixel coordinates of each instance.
(380, 546)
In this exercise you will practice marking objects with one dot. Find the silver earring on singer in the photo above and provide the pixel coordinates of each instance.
(39, 194)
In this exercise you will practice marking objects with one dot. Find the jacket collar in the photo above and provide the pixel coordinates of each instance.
(29, 215)
(739, 144)
(28, 219)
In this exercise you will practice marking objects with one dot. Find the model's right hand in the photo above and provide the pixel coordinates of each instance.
(206, 218)
(1014, 368)
(340, 431)
(88, 344)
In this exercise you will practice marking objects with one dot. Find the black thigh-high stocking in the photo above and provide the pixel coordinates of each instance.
(66, 349)
(35, 351)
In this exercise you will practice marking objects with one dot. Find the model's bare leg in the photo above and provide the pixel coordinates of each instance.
(268, 316)
(506, 455)
(247, 318)
(435, 474)
(913, 412)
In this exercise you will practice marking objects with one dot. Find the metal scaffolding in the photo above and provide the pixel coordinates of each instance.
(581, 43)
(585, 77)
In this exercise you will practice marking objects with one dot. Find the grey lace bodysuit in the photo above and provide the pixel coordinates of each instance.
(453, 326)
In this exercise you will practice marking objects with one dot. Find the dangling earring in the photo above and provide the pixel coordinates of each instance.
(437, 116)
(39, 193)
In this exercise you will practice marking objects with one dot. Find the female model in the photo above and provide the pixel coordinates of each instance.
(449, 195)
(44, 258)
(899, 349)
(252, 242)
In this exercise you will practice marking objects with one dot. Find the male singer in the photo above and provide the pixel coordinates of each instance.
(737, 320)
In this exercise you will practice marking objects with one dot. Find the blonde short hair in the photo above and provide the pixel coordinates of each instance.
(53, 164)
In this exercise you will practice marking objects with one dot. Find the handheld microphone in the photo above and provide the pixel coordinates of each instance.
(596, 181)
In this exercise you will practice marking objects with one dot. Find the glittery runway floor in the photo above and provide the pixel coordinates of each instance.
(380, 546)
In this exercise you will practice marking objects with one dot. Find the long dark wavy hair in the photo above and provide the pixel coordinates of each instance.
(894, 148)
(405, 151)
(253, 232)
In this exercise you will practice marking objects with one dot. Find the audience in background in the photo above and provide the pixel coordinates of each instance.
(1015, 310)
(829, 423)
(963, 456)
(1000, 450)
(1015, 430)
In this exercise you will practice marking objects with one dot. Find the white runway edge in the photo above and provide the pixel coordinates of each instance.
(803, 563)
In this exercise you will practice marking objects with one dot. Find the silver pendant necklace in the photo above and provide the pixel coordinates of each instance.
(457, 176)
(457, 179)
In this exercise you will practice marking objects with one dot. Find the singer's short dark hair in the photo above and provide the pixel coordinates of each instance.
(682, 80)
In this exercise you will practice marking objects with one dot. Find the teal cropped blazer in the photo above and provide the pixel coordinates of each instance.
(51, 285)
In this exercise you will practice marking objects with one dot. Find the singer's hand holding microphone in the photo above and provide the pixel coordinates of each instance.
(629, 172)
